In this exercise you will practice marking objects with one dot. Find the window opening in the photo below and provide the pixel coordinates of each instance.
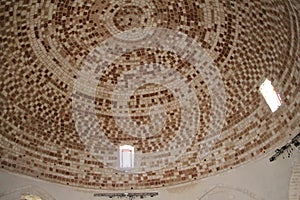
(126, 156)
(270, 95)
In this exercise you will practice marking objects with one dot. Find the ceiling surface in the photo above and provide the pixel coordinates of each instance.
(177, 80)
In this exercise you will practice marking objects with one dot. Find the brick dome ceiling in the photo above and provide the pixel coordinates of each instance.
(177, 80)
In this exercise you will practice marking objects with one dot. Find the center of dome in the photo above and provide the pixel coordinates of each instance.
(129, 17)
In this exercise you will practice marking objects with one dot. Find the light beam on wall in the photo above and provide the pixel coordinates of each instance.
(30, 197)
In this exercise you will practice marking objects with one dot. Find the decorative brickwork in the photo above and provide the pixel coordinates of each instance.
(49, 120)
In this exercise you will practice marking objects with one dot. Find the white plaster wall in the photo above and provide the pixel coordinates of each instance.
(258, 180)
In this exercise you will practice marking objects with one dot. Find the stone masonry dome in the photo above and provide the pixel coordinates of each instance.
(177, 80)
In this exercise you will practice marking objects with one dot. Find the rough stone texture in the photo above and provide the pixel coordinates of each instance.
(44, 45)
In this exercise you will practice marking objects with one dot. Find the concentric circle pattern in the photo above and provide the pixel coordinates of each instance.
(178, 80)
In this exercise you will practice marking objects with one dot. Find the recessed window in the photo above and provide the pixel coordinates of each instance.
(270, 95)
(126, 156)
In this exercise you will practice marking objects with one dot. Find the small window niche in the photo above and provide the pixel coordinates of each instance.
(126, 157)
(271, 97)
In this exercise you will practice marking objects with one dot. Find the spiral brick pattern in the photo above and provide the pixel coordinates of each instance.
(47, 44)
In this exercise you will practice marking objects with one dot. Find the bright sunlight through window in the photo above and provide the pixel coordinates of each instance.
(270, 95)
(126, 156)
